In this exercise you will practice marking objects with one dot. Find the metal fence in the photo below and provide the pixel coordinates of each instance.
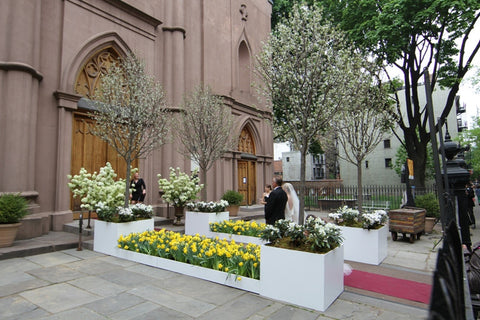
(331, 197)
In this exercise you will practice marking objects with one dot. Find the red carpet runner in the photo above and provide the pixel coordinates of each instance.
(394, 287)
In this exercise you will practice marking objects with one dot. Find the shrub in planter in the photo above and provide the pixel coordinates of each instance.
(13, 207)
(234, 198)
(314, 236)
(429, 202)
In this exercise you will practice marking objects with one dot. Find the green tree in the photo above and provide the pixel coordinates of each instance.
(205, 130)
(304, 68)
(130, 112)
(471, 137)
(411, 36)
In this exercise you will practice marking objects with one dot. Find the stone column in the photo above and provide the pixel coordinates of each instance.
(19, 83)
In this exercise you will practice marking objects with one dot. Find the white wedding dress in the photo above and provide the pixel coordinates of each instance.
(291, 212)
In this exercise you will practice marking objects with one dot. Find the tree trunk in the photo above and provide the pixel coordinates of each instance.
(301, 192)
(127, 183)
(203, 179)
(417, 151)
(359, 187)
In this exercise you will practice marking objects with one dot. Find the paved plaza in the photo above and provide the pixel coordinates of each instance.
(71, 284)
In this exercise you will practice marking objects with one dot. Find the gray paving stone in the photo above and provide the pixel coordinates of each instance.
(121, 262)
(127, 278)
(163, 313)
(52, 259)
(17, 265)
(14, 307)
(270, 309)
(56, 274)
(242, 307)
(184, 304)
(14, 277)
(94, 266)
(58, 297)
(30, 315)
(98, 286)
(110, 305)
(17, 287)
(198, 289)
(138, 311)
(156, 273)
(76, 314)
(294, 313)
(83, 254)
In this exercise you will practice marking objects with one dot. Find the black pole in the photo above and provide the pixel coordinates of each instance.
(443, 197)
(89, 215)
(80, 224)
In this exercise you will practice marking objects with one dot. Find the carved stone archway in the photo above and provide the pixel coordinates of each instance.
(89, 151)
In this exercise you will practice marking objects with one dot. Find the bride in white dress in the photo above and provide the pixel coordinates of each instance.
(292, 207)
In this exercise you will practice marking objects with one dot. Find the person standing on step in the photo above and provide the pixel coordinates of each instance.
(276, 201)
(139, 189)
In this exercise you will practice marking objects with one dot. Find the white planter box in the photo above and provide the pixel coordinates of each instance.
(305, 279)
(198, 222)
(367, 246)
(106, 234)
(220, 277)
(238, 238)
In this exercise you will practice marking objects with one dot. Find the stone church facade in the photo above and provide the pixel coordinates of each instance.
(51, 55)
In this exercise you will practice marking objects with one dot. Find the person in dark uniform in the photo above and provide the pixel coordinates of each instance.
(276, 201)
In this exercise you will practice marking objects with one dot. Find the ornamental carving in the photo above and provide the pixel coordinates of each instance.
(246, 143)
(88, 78)
(244, 12)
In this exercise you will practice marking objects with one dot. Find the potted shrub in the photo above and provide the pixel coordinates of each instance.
(429, 202)
(234, 199)
(179, 190)
(13, 207)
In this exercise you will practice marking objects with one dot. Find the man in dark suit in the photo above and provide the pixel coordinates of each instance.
(276, 201)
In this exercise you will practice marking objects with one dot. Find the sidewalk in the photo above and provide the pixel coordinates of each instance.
(87, 285)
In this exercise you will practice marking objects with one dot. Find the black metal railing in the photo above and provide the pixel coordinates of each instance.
(450, 297)
(318, 196)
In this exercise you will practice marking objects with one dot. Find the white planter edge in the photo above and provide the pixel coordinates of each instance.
(306, 279)
(247, 284)
(365, 246)
(199, 222)
(106, 234)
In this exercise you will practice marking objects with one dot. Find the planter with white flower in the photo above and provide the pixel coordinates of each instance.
(199, 215)
(365, 234)
(114, 222)
(179, 190)
(315, 249)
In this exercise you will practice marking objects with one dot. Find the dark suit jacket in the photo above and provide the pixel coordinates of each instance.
(275, 207)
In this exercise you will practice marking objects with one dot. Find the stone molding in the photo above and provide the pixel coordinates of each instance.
(20, 66)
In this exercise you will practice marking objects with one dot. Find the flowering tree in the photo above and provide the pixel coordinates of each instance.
(304, 69)
(130, 112)
(97, 188)
(205, 129)
(371, 113)
(180, 188)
